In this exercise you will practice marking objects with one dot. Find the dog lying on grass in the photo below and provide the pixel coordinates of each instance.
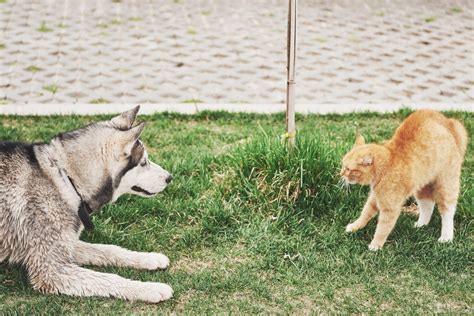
(47, 192)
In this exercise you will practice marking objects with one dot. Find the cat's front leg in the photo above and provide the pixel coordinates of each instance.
(368, 212)
(386, 222)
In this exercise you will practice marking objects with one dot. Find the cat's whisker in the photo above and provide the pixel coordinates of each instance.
(343, 185)
(346, 185)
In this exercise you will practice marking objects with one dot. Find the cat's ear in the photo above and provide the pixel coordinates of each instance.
(359, 141)
(367, 160)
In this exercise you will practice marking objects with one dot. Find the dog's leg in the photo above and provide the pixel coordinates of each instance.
(98, 254)
(73, 280)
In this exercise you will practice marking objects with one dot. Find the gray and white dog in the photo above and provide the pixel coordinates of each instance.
(47, 192)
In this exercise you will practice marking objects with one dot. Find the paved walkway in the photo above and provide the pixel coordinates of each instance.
(234, 51)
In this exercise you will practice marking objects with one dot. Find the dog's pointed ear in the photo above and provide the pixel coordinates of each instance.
(359, 140)
(130, 137)
(125, 120)
(134, 133)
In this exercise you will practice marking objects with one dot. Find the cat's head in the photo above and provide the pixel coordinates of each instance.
(358, 163)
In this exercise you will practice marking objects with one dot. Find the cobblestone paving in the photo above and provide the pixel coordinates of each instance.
(234, 51)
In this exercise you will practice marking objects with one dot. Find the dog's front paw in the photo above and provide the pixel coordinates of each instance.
(375, 246)
(152, 292)
(352, 227)
(155, 261)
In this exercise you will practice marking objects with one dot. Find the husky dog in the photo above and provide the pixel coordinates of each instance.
(47, 192)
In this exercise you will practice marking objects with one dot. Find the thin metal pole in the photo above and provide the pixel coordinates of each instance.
(290, 87)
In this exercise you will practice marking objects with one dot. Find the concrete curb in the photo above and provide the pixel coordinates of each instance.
(194, 108)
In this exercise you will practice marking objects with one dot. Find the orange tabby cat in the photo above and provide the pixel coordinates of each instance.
(424, 159)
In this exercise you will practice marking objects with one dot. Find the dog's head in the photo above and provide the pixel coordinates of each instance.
(107, 159)
(136, 173)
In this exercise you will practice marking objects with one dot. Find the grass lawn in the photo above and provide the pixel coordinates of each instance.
(252, 228)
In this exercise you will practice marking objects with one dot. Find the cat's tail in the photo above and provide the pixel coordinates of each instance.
(460, 134)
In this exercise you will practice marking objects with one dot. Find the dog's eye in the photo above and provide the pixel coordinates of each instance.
(144, 163)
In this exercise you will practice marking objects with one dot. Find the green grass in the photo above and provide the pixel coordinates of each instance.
(33, 68)
(51, 88)
(191, 31)
(250, 227)
(430, 19)
(116, 22)
(456, 10)
(193, 101)
(44, 28)
(135, 19)
(321, 39)
(99, 101)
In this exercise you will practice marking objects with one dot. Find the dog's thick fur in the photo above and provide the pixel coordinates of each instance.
(39, 223)
(423, 158)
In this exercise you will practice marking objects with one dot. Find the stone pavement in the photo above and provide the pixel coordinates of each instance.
(234, 51)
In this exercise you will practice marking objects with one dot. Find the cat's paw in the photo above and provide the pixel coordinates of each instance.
(352, 227)
(444, 239)
(419, 224)
(374, 247)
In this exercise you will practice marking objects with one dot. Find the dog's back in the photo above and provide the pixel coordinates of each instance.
(17, 161)
(18, 165)
(25, 193)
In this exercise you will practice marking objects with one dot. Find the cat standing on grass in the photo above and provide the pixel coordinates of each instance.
(424, 159)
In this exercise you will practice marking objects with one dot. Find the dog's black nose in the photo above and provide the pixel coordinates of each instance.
(168, 180)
